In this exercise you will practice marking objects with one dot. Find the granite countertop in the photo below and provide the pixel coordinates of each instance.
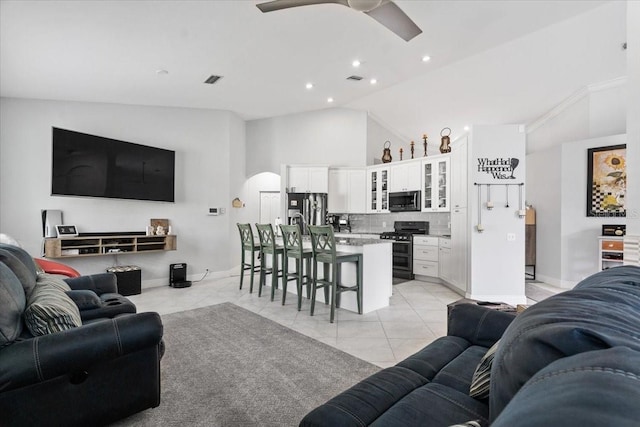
(357, 241)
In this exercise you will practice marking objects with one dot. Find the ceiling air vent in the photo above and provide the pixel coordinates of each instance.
(212, 79)
(355, 78)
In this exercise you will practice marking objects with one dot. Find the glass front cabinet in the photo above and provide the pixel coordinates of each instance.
(378, 190)
(436, 187)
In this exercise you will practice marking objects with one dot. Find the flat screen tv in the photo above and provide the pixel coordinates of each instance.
(94, 166)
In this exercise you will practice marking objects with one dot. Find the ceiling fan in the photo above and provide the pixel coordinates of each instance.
(385, 12)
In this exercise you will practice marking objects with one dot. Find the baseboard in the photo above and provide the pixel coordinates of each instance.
(194, 278)
(558, 283)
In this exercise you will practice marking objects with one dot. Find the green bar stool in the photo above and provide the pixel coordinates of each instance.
(248, 245)
(292, 238)
(268, 247)
(323, 244)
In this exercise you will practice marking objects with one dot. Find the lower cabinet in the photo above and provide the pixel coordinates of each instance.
(425, 256)
(444, 260)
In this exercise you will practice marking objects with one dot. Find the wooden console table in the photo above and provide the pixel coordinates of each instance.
(99, 245)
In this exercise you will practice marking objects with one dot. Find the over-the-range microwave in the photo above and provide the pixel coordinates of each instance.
(404, 201)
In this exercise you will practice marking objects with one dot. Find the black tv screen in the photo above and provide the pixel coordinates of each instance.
(89, 165)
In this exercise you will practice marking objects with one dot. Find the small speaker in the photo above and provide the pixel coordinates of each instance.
(178, 276)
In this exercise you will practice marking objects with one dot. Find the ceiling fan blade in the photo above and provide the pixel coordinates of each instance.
(392, 17)
(271, 6)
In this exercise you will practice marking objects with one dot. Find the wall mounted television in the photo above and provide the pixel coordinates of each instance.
(94, 166)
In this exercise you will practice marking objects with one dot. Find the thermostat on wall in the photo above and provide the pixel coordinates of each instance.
(215, 211)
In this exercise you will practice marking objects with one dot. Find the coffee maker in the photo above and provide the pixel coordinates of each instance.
(334, 221)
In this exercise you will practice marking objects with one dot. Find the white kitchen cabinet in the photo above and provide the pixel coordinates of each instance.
(459, 173)
(436, 186)
(445, 260)
(347, 190)
(308, 179)
(405, 176)
(357, 184)
(378, 189)
(425, 256)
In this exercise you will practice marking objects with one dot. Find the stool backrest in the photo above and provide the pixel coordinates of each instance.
(292, 237)
(266, 236)
(246, 236)
(323, 242)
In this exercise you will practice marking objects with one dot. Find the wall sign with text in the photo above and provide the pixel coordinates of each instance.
(498, 168)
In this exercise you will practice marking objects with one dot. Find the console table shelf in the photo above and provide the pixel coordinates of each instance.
(65, 247)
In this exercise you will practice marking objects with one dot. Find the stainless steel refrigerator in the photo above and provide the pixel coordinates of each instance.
(306, 209)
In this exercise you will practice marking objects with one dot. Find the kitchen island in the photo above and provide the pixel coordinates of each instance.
(377, 272)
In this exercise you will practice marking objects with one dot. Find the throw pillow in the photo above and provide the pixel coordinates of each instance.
(50, 309)
(481, 380)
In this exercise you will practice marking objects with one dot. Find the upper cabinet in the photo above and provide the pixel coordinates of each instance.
(459, 173)
(347, 190)
(405, 176)
(308, 179)
(436, 188)
(378, 189)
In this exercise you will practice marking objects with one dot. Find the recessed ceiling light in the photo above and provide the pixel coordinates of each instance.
(356, 63)
(329, 100)
(309, 86)
(162, 72)
(426, 58)
(373, 81)
(466, 128)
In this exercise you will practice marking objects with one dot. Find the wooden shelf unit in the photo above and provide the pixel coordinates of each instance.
(65, 247)
(611, 252)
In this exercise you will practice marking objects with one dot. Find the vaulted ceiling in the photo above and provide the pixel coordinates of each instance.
(491, 61)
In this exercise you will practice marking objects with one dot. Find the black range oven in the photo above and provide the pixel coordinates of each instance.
(402, 238)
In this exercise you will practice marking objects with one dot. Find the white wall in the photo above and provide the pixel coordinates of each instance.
(497, 264)
(567, 246)
(335, 137)
(378, 134)
(633, 119)
(204, 163)
(544, 193)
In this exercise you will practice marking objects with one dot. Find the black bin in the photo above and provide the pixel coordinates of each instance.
(129, 279)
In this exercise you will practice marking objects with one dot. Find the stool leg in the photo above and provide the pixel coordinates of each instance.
(263, 266)
(274, 275)
(334, 285)
(299, 277)
(314, 284)
(242, 266)
(327, 279)
(308, 278)
(338, 283)
(285, 277)
(359, 283)
(253, 271)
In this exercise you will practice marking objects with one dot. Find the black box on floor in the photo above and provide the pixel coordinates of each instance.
(178, 275)
(129, 279)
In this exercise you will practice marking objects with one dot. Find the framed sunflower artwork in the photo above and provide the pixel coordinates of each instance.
(606, 181)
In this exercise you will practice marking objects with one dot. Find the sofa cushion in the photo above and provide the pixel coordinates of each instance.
(600, 314)
(85, 299)
(433, 405)
(50, 309)
(12, 305)
(596, 388)
(22, 265)
(431, 359)
(364, 402)
(458, 373)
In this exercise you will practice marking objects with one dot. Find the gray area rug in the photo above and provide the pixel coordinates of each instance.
(227, 366)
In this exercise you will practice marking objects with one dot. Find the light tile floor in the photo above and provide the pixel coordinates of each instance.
(417, 315)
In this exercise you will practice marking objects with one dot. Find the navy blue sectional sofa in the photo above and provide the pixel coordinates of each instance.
(570, 360)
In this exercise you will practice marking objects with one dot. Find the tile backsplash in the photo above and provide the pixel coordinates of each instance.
(439, 222)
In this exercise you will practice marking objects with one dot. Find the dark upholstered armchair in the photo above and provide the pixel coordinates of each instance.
(58, 368)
